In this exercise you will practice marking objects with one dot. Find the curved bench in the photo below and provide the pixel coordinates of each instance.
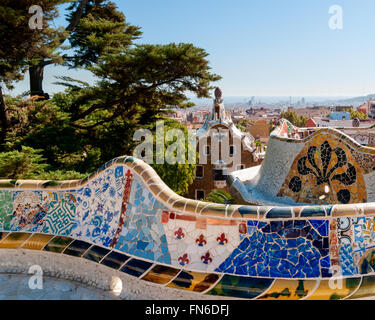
(124, 217)
(309, 166)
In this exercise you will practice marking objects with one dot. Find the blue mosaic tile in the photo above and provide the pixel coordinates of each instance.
(346, 260)
(275, 251)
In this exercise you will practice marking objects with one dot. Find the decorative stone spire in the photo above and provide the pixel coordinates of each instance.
(218, 110)
(218, 93)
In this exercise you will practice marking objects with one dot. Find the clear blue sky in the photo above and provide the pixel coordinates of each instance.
(264, 47)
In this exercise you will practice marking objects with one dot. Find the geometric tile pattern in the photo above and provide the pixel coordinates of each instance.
(143, 229)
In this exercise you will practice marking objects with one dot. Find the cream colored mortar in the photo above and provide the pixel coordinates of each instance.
(66, 277)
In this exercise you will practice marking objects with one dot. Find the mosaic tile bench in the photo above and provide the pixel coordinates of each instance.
(309, 166)
(125, 217)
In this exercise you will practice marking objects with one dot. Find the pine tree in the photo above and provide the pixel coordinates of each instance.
(101, 30)
(49, 52)
(19, 44)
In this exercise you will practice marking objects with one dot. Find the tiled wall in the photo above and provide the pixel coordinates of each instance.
(124, 217)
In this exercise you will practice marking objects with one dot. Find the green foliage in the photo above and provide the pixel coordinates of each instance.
(85, 126)
(60, 175)
(101, 30)
(21, 164)
(20, 45)
(219, 196)
(178, 176)
(242, 125)
(354, 114)
(29, 164)
(291, 116)
(259, 145)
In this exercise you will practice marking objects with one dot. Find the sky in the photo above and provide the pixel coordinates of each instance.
(262, 47)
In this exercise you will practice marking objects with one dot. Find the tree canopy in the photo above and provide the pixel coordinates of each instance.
(78, 129)
(294, 118)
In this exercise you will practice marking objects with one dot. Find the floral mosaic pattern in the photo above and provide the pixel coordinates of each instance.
(325, 172)
(117, 211)
(30, 209)
(200, 244)
(98, 207)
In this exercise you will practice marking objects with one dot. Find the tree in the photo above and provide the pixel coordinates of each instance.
(242, 125)
(178, 176)
(95, 27)
(18, 46)
(48, 46)
(354, 114)
(29, 164)
(102, 29)
(259, 145)
(219, 196)
(136, 87)
(292, 117)
(87, 125)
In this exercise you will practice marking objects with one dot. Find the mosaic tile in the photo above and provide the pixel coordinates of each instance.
(114, 260)
(77, 248)
(289, 290)
(136, 267)
(282, 249)
(14, 240)
(6, 209)
(115, 209)
(326, 291)
(99, 206)
(61, 209)
(58, 244)
(241, 287)
(143, 234)
(161, 274)
(30, 209)
(96, 253)
(328, 173)
(194, 281)
(37, 241)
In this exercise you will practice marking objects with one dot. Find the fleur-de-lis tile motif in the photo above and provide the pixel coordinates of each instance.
(184, 260)
(323, 174)
(222, 240)
(206, 259)
(179, 234)
(201, 241)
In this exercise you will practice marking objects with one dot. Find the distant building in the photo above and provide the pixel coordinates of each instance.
(364, 108)
(371, 109)
(260, 130)
(341, 108)
(339, 115)
(212, 170)
(310, 123)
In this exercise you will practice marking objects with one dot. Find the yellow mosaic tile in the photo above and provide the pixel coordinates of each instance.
(14, 240)
(289, 290)
(37, 241)
(334, 290)
(194, 281)
(161, 274)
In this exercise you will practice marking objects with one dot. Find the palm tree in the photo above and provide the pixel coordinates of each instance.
(259, 145)
(219, 196)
